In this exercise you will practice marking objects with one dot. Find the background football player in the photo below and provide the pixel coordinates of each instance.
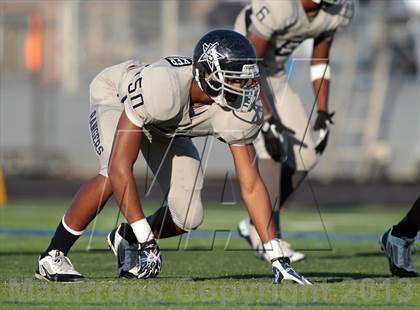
(397, 243)
(285, 152)
(156, 109)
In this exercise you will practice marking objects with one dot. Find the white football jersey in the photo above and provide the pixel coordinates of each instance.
(156, 97)
(285, 25)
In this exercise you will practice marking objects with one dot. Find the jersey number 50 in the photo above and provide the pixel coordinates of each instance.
(134, 91)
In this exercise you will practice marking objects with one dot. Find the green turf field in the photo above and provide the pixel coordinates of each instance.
(200, 274)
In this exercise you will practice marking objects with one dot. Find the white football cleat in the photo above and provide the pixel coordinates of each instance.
(247, 231)
(57, 267)
(398, 252)
(126, 252)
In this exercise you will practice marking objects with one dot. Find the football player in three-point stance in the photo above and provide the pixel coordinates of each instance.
(286, 153)
(157, 109)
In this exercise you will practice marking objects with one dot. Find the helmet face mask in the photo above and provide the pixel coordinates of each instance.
(333, 2)
(329, 2)
(225, 69)
(237, 91)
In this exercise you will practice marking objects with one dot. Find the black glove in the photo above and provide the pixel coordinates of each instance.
(150, 261)
(274, 139)
(322, 122)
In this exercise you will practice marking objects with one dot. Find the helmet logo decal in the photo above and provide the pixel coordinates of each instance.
(210, 54)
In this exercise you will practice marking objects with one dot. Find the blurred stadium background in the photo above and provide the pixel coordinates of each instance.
(51, 50)
(369, 176)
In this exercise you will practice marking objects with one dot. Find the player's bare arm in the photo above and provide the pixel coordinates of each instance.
(320, 76)
(125, 150)
(124, 154)
(257, 202)
(320, 71)
(253, 190)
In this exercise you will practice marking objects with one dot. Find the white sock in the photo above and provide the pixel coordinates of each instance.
(72, 231)
(142, 230)
(273, 249)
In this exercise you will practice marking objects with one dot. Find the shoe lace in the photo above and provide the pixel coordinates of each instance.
(62, 264)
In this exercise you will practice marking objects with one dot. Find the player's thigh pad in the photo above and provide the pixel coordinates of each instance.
(103, 123)
(105, 111)
(176, 167)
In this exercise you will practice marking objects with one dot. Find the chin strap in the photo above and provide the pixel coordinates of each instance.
(197, 78)
(220, 99)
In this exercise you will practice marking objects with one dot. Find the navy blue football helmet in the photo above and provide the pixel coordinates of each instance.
(225, 68)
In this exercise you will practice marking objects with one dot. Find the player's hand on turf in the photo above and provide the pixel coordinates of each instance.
(283, 271)
(275, 140)
(150, 260)
(322, 125)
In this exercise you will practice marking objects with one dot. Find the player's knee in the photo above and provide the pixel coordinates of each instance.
(186, 214)
(311, 163)
(193, 222)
